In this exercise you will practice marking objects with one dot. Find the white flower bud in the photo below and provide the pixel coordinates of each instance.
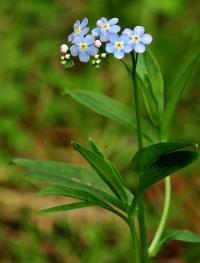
(93, 62)
(62, 57)
(103, 55)
(98, 61)
(96, 56)
(97, 43)
(64, 48)
(67, 56)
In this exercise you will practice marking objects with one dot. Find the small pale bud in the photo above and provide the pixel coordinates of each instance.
(98, 61)
(96, 56)
(103, 55)
(64, 48)
(62, 57)
(97, 43)
(93, 62)
(67, 56)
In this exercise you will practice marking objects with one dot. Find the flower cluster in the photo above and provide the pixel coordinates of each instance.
(104, 39)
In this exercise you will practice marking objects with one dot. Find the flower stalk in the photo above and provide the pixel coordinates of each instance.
(141, 215)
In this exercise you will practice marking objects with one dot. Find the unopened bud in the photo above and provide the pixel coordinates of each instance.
(97, 43)
(98, 61)
(67, 56)
(64, 48)
(96, 56)
(62, 57)
(103, 55)
(93, 62)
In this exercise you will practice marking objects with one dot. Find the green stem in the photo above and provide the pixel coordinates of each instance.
(134, 240)
(161, 226)
(141, 216)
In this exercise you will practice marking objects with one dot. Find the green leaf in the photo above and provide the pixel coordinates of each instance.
(105, 170)
(94, 148)
(152, 88)
(77, 181)
(175, 96)
(179, 235)
(110, 108)
(160, 160)
(68, 207)
(84, 196)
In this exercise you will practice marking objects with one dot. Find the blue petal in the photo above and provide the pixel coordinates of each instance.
(84, 23)
(84, 57)
(92, 50)
(146, 39)
(71, 37)
(89, 39)
(78, 39)
(113, 21)
(128, 32)
(139, 48)
(84, 31)
(128, 48)
(114, 29)
(119, 54)
(113, 38)
(138, 30)
(104, 37)
(96, 32)
(101, 21)
(77, 24)
(74, 50)
(124, 38)
(110, 48)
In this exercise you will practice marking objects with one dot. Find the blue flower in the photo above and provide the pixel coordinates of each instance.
(105, 28)
(119, 45)
(137, 38)
(84, 47)
(80, 29)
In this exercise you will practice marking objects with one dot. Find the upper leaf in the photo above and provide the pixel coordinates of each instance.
(177, 91)
(179, 235)
(160, 160)
(105, 170)
(112, 109)
(152, 89)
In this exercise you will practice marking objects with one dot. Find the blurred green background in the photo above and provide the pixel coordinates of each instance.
(37, 121)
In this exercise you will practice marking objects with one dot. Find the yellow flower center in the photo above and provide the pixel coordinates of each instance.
(105, 26)
(83, 46)
(119, 45)
(78, 30)
(136, 38)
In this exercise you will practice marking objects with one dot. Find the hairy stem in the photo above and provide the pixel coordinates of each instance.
(161, 226)
(141, 216)
(134, 240)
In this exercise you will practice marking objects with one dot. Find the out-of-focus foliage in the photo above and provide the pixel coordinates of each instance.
(37, 121)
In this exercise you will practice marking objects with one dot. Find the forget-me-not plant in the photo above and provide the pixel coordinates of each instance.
(156, 159)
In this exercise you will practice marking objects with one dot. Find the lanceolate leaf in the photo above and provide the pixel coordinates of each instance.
(105, 171)
(70, 180)
(177, 91)
(149, 72)
(110, 108)
(68, 207)
(179, 235)
(84, 196)
(160, 160)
